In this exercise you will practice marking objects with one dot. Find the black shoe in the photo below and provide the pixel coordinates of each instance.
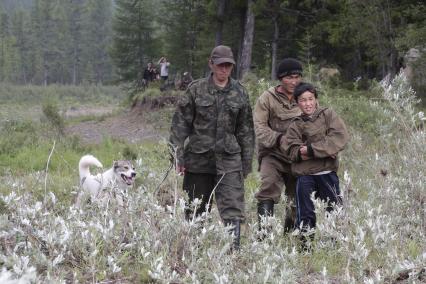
(235, 231)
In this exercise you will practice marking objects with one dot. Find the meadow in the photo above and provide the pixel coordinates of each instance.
(377, 236)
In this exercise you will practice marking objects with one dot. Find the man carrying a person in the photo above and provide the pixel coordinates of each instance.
(273, 113)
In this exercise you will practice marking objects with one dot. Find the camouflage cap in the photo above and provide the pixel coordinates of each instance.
(222, 54)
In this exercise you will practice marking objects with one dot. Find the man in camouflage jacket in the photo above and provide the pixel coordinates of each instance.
(213, 137)
(274, 111)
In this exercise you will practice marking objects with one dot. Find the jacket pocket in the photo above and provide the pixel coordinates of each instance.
(232, 110)
(200, 144)
(279, 124)
(205, 112)
(231, 144)
(315, 134)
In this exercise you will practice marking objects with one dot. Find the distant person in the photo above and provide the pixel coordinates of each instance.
(149, 74)
(212, 133)
(164, 68)
(312, 143)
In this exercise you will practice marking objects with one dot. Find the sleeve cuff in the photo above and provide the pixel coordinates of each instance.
(310, 151)
(278, 142)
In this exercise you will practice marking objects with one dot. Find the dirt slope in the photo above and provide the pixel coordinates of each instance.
(129, 126)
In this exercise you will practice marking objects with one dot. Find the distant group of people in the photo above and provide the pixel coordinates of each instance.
(152, 74)
(214, 132)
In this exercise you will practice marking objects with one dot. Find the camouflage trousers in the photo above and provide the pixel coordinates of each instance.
(229, 194)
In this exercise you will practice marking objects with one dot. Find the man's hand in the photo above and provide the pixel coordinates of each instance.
(180, 170)
(303, 150)
(304, 157)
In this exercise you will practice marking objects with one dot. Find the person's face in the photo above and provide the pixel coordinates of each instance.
(290, 82)
(307, 102)
(149, 65)
(222, 71)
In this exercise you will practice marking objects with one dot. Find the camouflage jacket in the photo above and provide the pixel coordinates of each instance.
(212, 128)
(273, 114)
(325, 135)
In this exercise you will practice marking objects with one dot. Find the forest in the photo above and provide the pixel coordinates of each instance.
(44, 42)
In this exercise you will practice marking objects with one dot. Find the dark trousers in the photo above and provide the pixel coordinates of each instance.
(229, 193)
(326, 188)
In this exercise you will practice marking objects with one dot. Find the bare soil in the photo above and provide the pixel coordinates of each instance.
(127, 125)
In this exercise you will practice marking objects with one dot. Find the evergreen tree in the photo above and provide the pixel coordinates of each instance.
(97, 40)
(187, 38)
(133, 40)
(4, 35)
(20, 28)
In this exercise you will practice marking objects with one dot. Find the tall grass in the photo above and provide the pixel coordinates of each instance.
(376, 237)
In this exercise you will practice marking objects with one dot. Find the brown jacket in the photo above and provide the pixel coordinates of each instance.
(273, 114)
(325, 135)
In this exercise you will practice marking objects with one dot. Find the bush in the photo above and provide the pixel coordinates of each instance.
(54, 118)
(419, 78)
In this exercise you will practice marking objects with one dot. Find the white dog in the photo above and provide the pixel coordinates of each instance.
(110, 184)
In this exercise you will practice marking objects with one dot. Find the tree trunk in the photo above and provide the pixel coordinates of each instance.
(247, 46)
(242, 18)
(220, 21)
(274, 48)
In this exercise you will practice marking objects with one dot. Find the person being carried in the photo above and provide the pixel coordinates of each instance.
(213, 139)
(312, 143)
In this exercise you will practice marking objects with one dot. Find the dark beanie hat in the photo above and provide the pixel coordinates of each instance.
(289, 66)
(304, 87)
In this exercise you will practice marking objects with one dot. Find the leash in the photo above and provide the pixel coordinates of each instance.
(164, 177)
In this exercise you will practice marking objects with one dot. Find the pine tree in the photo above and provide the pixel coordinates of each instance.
(97, 40)
(187, 38)
(133, 40)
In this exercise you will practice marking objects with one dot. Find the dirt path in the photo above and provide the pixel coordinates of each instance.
(127, 125)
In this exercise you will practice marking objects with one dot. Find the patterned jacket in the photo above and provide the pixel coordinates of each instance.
(273, 114)
(325, 135)
(212, 128)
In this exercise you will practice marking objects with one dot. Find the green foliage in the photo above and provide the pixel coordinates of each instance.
(418, 79)
(48, 42)
(255, 87)
(368, 239)
(16, 134)
(151, 92)
(54, 118)
(66, 94)
(134, 42)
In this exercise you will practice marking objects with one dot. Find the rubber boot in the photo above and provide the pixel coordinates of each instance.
(265, 208)
(235, 232)
(290, 219)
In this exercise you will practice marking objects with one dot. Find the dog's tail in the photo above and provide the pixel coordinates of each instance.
(85, 163)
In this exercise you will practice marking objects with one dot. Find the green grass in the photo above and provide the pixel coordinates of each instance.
(378, 234)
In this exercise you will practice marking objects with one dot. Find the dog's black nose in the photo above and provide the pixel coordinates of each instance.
(133, 174)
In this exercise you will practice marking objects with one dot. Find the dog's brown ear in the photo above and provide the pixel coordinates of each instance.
(115, 164)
